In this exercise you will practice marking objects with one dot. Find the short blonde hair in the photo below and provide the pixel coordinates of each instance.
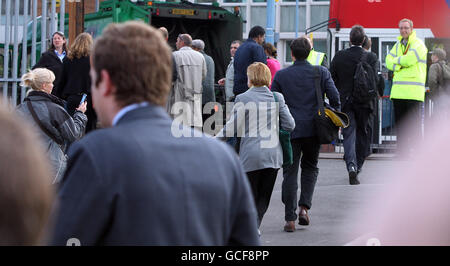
(36, 78)
(406, 20)
(259, 74)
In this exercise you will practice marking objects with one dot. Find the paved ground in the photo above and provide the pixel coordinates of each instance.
(335, 204)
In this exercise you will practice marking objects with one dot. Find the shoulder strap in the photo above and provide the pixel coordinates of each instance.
(275, 97)
(317, 79)
(34, 115)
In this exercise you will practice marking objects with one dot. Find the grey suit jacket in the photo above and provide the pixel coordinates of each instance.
(137, 184)
(260, 147)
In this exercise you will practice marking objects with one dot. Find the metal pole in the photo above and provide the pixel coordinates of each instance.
(270, 36)
(53, 23)
(97, 5)
(6, 51)
(62, 19)
(24, 45)
(44, 27)
(15, 67)
(296, 19)
(34, 33)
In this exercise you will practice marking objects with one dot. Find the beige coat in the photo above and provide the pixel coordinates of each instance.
(187, 90)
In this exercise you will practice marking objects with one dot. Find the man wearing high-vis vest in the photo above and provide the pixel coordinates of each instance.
(316, 58)
(408, 60)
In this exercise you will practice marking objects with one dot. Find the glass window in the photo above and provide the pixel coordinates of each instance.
(320, 45)
(287, 19)
(205, 1)
(319, 14)
(294, 0)
(288, 51)
(259, 1)
(235, 1)
(259, 16)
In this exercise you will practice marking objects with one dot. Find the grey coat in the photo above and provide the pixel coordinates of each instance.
(259, 148)
(209, 94)
(57, 121)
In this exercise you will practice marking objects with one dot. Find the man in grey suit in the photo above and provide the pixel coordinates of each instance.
(134, 183)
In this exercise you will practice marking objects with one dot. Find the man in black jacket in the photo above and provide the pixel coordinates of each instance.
(356, 136)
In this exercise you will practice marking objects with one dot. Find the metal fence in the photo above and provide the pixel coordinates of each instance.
(20, 26)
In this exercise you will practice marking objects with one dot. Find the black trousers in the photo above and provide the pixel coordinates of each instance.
(308, 150)
(357, 136)
(407, 123)
(262, 182)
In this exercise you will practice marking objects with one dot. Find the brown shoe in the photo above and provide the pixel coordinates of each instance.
(289, 226)
(303, 218)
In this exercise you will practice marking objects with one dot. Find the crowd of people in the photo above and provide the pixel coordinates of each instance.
(134, 183)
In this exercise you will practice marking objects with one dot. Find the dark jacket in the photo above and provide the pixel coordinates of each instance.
(75, 78)
(52, 62)
(137, 184)
(342, 70)
(248, 53)
(297, 85)
(65, 129)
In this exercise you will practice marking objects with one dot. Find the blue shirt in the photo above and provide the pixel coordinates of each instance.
(127, 109)
(60, 56)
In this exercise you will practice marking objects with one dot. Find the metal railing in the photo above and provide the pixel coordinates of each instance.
(18, 54)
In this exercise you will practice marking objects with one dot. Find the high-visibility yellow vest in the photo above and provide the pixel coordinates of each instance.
(315, 58)
(409, 64)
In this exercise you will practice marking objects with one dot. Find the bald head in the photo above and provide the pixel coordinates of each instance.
(184, 40)
(164, 33)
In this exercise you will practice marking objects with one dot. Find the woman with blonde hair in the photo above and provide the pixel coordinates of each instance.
(75, 79)
(46, 112)
(254, 114)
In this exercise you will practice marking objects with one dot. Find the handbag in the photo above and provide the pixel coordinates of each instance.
(327, 121)
(285, 142)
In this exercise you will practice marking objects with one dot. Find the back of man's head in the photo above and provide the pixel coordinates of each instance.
(164, 32)
(186, 39)
(256, 31)
(300, 47)
(127, 52)
(367, 43)
(198, 44)
(357, 35)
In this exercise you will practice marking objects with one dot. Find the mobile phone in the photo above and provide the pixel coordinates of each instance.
(83, 98)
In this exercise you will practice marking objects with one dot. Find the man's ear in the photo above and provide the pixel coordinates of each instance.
(109, 87)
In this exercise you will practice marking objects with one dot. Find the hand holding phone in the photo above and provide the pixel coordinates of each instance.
(83, 98)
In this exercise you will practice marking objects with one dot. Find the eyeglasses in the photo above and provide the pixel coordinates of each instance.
(59, 33)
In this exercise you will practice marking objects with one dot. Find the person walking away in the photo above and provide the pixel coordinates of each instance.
(408, 60)
(191, 68)
(261, 159)
(75, 79)
(249, 52)
(46, 112)
(300, 96)
(272, 62)
(208, 94)
(356, 135)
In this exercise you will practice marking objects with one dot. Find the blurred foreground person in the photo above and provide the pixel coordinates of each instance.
(46, 112)
(135, 182)
(418, 201)
(26, 193)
